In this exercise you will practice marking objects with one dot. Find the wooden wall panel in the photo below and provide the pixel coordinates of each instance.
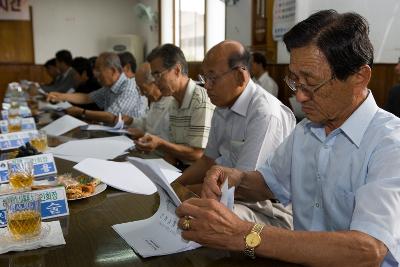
(16, 42)
(382, 80)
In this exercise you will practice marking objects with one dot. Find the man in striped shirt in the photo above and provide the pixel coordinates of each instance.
(190, 110)
(118, 94)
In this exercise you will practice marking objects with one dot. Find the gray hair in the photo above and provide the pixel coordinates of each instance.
(110, 60)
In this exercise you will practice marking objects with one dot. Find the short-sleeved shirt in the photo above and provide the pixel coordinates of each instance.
(346, 180)
(244, 135)
(156, 120)
(190, 123)
(122, 97)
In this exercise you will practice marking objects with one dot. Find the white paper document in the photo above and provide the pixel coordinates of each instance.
(62, 125)
(117, 128)
(228, 195)
(122, 175)
(99, 148)
(57, 107)
(159, 234)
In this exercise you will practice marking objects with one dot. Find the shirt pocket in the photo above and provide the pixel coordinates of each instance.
(343, 207)
(236, 148)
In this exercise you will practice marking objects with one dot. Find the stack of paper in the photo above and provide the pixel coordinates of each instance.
(62, 125)
(56, 107)
(117, 128)
(99, 148)
(123, 175)
(159, 234)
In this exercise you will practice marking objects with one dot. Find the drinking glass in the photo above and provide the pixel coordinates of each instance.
(24, 220)
(39, 141)
(20, 174)
(14, 124)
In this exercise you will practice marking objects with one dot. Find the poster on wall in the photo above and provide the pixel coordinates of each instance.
(14, 10)
(284, 17)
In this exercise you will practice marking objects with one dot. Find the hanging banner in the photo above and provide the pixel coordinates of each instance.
(284, 14)
(14, 10)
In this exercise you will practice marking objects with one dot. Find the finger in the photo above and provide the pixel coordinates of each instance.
(210, 188)
(193, 207)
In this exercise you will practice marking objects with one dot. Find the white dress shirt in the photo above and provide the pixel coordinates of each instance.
(245, 134)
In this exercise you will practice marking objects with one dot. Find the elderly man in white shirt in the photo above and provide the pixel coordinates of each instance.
(156, 120)
(247, 126)
(260, 74)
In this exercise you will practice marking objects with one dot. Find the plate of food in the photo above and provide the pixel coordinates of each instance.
(81, 186)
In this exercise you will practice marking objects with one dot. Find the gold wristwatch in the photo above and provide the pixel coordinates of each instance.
(253, 240)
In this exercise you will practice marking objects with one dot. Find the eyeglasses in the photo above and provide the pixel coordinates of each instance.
(157, 75)
(212, 79)
(295, 86)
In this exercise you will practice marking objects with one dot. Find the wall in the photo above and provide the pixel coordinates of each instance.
(383, 17)
(238, 22)
(82, 26)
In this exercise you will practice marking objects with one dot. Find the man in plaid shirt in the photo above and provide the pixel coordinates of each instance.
(118, 94)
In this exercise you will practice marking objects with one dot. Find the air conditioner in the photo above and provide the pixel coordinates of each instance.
(127, 42)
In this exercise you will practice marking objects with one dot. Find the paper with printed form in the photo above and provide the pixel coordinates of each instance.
(159, 234)
(62, 125)
(122, 175)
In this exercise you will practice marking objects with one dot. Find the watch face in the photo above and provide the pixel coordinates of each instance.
(253, 240)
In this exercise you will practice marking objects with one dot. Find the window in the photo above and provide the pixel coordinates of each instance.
(193, 25)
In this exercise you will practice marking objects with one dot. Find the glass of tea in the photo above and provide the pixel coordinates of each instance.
(14, 124)
(20, 174)
(39, 141)
(24, 220)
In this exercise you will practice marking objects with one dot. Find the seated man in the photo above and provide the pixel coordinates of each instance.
(128, 63)
(87, 83)
(52, 71)
(247, 126)
(340, 167)
(156, 120)
(67, 80)
(190, 111)
(118, 94)
(260, 74)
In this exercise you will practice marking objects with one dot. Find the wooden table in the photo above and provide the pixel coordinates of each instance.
(90, 240)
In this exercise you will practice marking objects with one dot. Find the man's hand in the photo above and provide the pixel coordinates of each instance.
(127, 119)
(212, 224)
(148, 143)
(55, 97)
(215, 177)
(135, 133)
(74, 111)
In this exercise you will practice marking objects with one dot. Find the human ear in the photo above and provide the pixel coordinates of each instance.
(240, 76)
(361, 77)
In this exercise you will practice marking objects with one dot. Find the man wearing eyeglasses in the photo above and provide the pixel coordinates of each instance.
(340, 167)
(247, 126)
(190, 111)
(117, 96)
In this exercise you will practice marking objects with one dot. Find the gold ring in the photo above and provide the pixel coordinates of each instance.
(186, 223)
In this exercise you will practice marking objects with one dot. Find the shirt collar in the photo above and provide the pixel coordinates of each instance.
(117, 86)
(188, 94)
(356, 125)
(241, 104)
